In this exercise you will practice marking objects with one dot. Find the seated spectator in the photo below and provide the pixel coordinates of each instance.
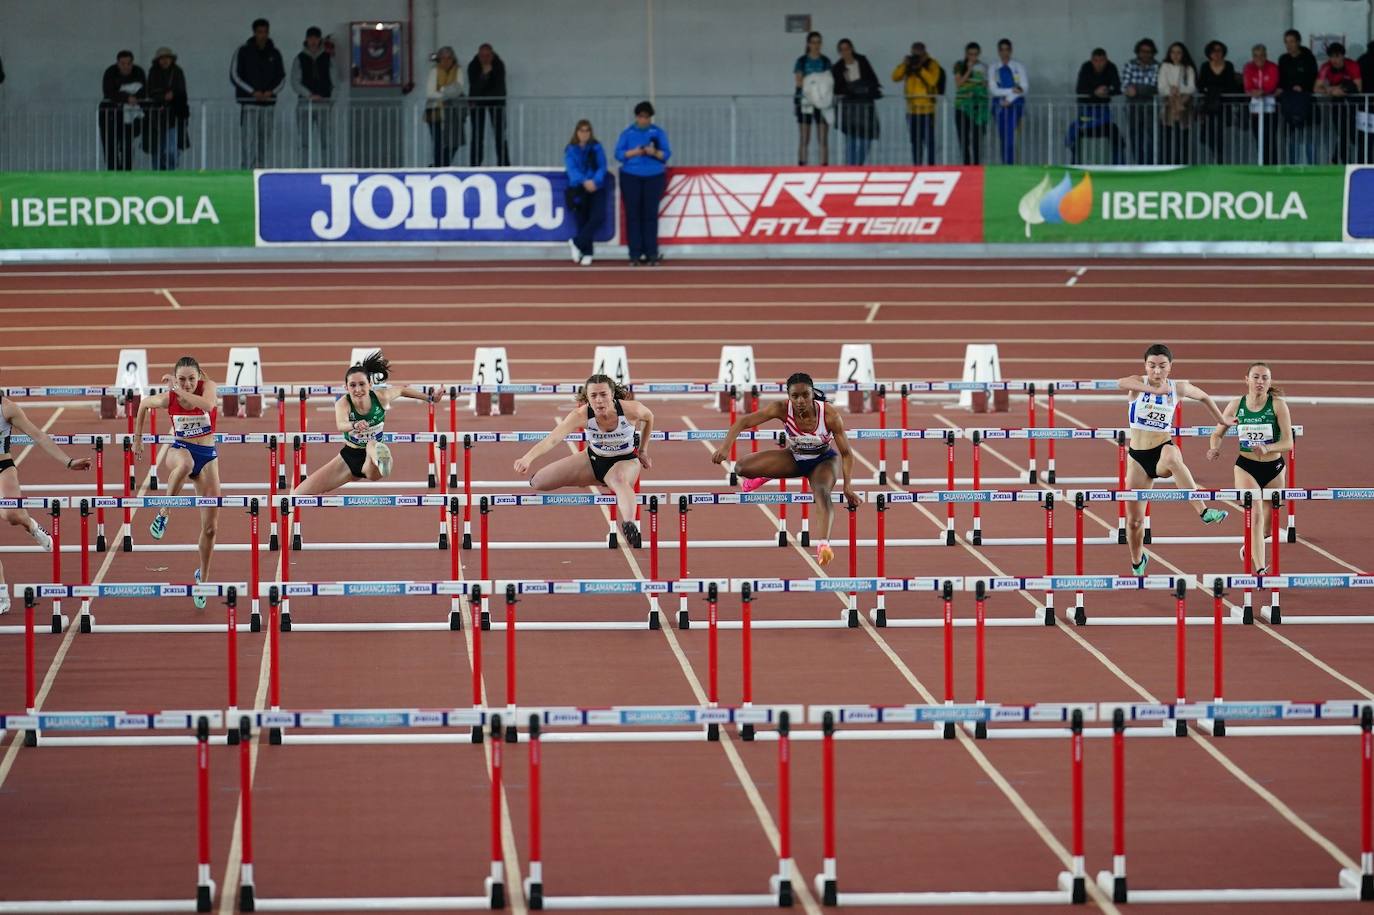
(169, 111)
(856, 90)
(1216, 80)
(1297, 80)
(443, 107)
(922, 81)
(1339, 80)
(1261, 77)
(584, 160)
(812, 102)
(1140, 85)
(1097, 82)
(123, 89)
(1010, 83)
(971, 111)
(1177, 86)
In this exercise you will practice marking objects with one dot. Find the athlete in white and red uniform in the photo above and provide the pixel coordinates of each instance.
(814, 446)
(192, 403)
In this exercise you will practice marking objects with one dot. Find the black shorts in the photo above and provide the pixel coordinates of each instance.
(602, 464)
(6, 464)
(354, 458)
(1148, 459)
(1264, 472)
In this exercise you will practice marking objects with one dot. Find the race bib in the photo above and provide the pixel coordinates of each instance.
(367, 433)
(806, 444)
(1255, 433)
(1154, 415)
(190, 425)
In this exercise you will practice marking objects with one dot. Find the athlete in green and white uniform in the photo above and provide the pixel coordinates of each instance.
(1265, 429)
(361, 416)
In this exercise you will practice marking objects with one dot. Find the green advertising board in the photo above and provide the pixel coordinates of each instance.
(125, 209)
(1199, 203)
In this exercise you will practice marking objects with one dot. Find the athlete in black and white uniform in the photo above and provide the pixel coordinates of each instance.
(617, 444)
(12, 418)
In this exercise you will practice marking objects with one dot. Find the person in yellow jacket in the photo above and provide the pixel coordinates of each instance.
(921, 77)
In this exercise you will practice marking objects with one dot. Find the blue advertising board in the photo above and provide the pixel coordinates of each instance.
(1359, 203)
(419, 206)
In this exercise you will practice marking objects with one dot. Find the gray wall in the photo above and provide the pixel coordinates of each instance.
(603, 47)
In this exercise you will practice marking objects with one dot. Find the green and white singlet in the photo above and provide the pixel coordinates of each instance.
(375, 418)
(1257, 427)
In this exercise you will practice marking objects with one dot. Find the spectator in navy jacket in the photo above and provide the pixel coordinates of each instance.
(123, 92)
(258, 75)
(313, 79)
(487, 99)
(642, 151)
(585, 162)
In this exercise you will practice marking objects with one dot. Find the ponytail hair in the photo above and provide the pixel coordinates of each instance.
(188, 362)
(618, 390)
(374, 367)
(1274, 389)
(803, 378)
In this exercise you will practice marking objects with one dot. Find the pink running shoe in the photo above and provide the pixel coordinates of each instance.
(749, 484)
(824, 554)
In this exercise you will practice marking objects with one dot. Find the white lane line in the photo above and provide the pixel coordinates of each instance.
(872, 312)
(1073, 280)
(1278, 805)
(1036, 824)
(167, 294)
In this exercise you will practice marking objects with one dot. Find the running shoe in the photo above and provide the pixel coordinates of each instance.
(1260, 567)
(631, 532)
(1213, 515)
(382, 457)
(576, 254)
(198, 599)
(1139, 568)
(824, 554)
(158, 527)
(749, 484)
(4, 601)
(586, 261)
(41, 537)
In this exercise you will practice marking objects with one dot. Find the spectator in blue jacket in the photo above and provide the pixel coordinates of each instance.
(585, 162)
(642, 151)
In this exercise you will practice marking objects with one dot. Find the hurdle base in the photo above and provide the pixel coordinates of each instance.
(477, 735)
(1348, 890)
(496, 893)
(534, 893)
(57, 624)
(746, 732)
(274, 736)
(255, 622)
(100, 544)
(285, 620)
(1273, 614)
(713, 732)
(467, 541)
(1080, 615)
(296, 542)
(204, 897)
(879, 617)
(127, 545)
(247, 899)
(272, 544)
(455, 620)
(655, 621)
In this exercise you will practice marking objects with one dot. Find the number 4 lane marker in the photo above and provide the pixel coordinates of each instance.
(1073, 280)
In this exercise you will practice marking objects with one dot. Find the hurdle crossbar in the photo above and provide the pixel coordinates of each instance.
(1305, 581)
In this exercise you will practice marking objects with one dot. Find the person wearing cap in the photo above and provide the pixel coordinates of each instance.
(168, 111)
(312, 78)
(123, 89)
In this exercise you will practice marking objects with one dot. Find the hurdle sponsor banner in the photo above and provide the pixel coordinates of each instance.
(125, 210)
(1310, 581)
(112, 721)
(1079, 583)
(1199, 203)
(419, 206)
(1358, 210)
(745, 205)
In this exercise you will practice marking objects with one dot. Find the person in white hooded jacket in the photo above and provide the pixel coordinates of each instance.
(814, 99)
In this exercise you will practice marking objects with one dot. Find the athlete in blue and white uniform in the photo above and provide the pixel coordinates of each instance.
(617, 446)
(1152, 407)
(12, 418)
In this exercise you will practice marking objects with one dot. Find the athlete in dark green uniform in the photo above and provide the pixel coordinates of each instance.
(1265, 430)
(361, 416)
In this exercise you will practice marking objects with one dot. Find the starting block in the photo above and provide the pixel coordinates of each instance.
(491, 366)
(131, 376)
(736, 370)
(856, 365)
(244, 370)
(981, 364)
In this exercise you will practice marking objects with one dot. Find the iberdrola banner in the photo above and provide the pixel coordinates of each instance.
(1195, 203)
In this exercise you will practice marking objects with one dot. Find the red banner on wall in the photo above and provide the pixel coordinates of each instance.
(744, 205)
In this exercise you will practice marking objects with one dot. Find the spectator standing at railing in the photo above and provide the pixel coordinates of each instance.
(584, 160)
(813, 100)
(922, 81)
(1339, 80)
(1177, 86)
(487, 94)
(258, 74)
(1216, 80)
(1140, 85)
(443, 106)
(856, 91)
(1097, 82)
(1364, 116)
(169, 111)
(1010, 83)
(971, 111)
(312, 76)
(1261, 76)
(123, 90)
(643, 153)
(1297, 80)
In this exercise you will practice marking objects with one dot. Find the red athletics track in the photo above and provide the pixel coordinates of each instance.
(683, 817)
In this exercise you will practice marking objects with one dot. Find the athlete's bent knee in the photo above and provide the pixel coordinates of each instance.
(1136, 524)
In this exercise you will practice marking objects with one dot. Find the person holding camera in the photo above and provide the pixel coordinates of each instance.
(642, 151)
(922, 80)
(585, 163)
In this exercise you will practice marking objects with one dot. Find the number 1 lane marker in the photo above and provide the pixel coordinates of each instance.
(167, 294)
